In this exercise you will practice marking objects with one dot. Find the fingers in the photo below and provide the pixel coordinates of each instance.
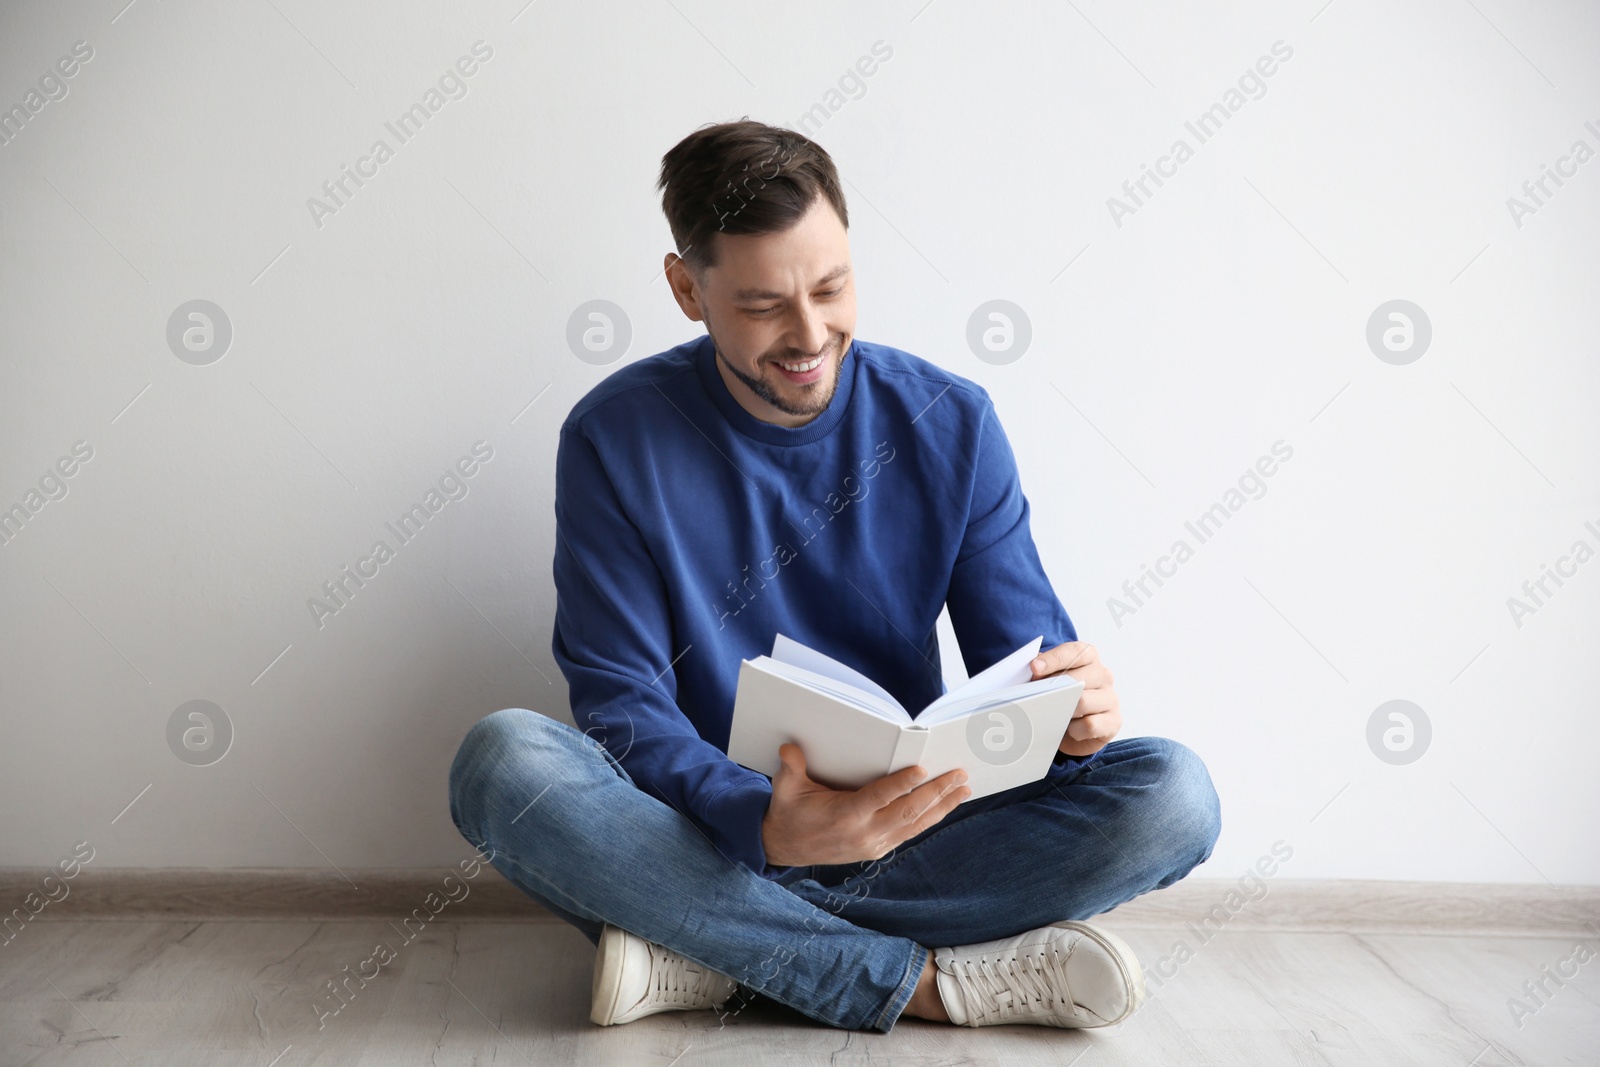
(1065, 657)
(891, 787)
(793, 763)
(925, 807)
(1094, 701)
(1090, 727)
(1083, 748)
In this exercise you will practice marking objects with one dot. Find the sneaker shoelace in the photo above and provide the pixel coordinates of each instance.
(677, 980)
(1019, 986)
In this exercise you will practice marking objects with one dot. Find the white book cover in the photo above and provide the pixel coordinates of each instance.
(999, 726)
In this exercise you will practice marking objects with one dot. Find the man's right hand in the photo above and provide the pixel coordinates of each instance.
(807, 823)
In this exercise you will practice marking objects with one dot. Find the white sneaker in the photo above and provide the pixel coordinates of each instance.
(1066, 974)
(634, 978)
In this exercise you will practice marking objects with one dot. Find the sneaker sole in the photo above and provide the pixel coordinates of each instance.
(1127, 964)
(606, 989)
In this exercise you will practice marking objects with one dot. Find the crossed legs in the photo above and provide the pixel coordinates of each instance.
(566, 824)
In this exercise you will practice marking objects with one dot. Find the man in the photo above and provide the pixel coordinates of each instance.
(780, 475)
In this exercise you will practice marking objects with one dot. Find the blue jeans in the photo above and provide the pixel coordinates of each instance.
(845, 944)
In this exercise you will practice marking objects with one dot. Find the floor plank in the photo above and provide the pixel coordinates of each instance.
(1475, 981)
(220, 993)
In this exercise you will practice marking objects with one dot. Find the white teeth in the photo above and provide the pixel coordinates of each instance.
(801, 368)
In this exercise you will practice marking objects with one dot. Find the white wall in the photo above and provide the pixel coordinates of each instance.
(1226, 313)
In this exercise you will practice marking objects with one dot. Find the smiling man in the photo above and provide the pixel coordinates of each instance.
(700, 510)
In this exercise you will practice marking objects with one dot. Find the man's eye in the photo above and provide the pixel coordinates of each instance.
(829, 294)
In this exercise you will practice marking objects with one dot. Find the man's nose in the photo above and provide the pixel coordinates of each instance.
(811, 332)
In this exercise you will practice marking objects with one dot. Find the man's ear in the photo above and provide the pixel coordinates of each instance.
(684, 286)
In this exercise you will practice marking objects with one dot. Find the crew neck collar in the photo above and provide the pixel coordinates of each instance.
(705, 360)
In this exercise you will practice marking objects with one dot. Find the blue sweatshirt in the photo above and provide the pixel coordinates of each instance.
(689, 533)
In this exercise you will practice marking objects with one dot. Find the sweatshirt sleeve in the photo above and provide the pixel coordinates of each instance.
(999, 595)
(613, 641)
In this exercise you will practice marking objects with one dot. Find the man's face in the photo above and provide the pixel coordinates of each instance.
(781, 312)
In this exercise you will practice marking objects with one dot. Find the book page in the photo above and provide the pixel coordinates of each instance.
(1005, 745)
(845, 747)
(842, 692)
(1011, 671)
(967, 705)
(788, 650)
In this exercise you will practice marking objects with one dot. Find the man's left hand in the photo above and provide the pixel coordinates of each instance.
(1097, 718)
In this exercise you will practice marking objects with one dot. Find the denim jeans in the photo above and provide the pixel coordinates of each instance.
(842, 944)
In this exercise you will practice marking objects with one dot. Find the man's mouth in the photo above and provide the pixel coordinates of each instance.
(801, 368)
(804, 371)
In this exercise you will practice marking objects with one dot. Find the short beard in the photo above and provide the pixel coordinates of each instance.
(760, 387)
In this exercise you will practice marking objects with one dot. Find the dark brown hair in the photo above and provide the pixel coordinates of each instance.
(741, 178)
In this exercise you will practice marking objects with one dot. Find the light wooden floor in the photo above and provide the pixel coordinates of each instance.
(223, 993)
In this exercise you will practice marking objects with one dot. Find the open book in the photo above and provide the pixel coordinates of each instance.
(999, 726)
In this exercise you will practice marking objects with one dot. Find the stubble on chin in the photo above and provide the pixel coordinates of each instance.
(815, 402)
(771, 381)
